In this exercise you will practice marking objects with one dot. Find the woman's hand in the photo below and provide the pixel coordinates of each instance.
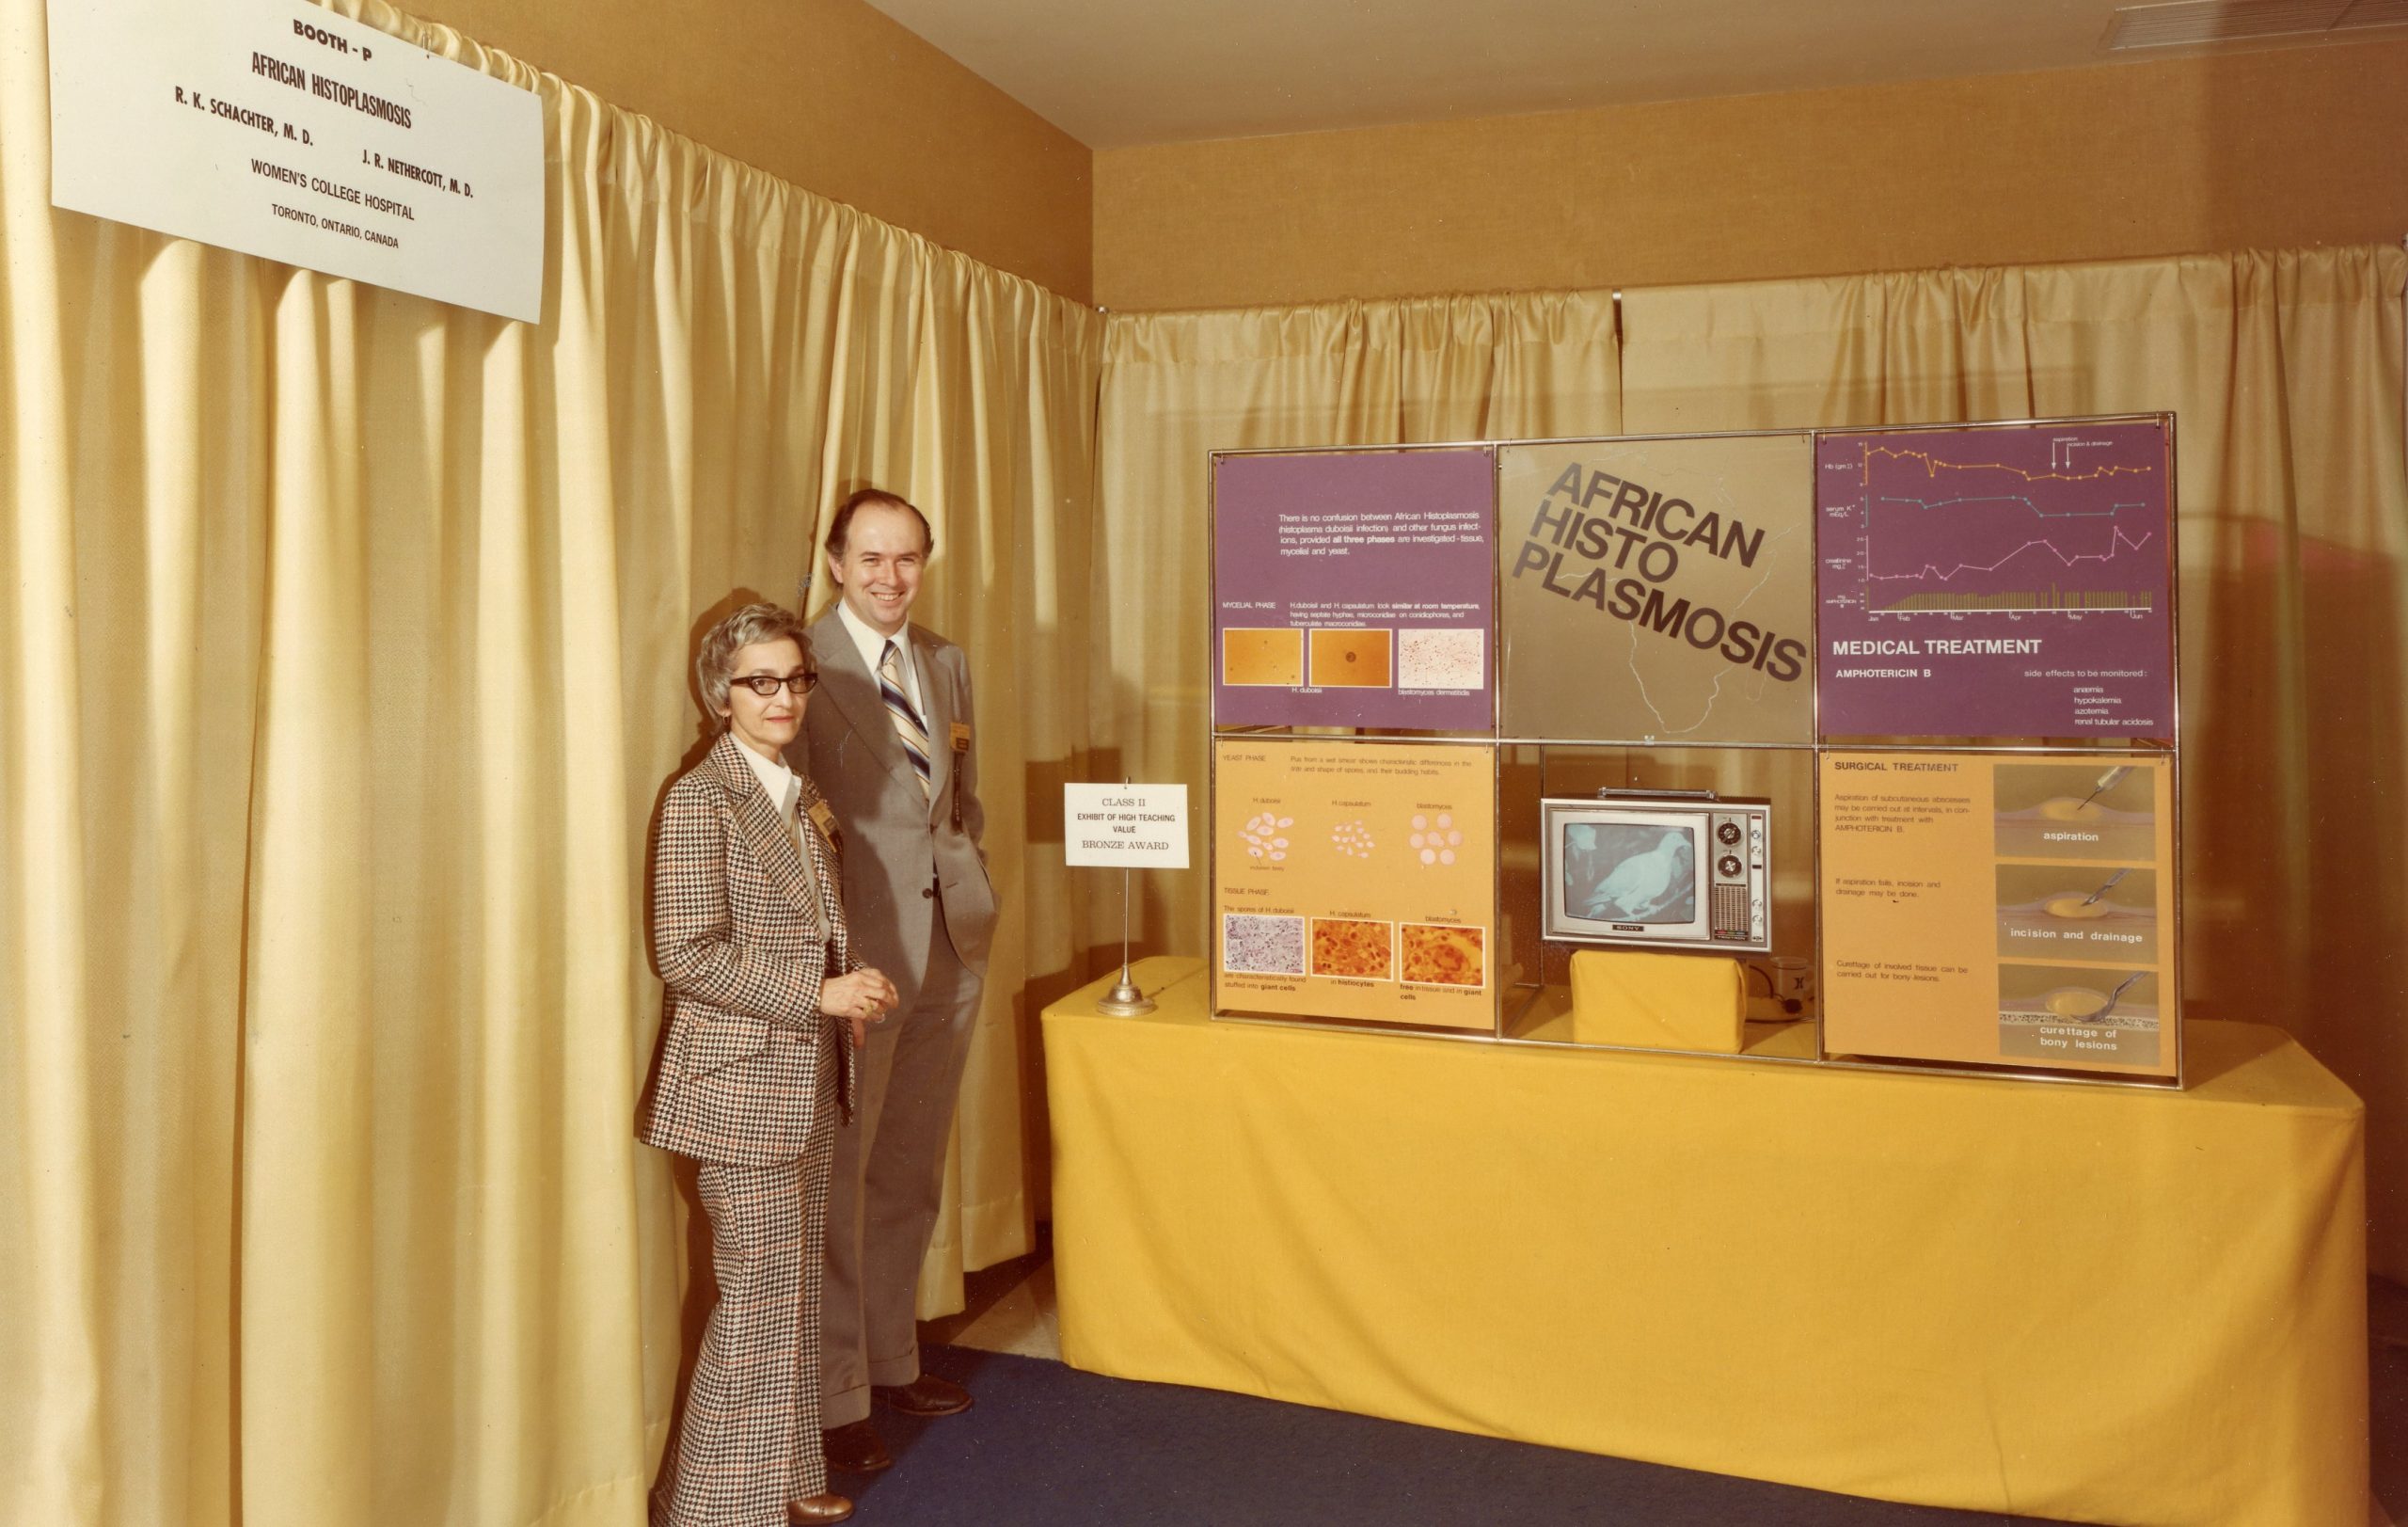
(862, 998)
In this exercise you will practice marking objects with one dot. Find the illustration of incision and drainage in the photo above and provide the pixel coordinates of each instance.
(2087, 913)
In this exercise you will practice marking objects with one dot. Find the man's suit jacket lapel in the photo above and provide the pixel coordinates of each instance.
(936, 710)
(847, 680)
(773, 847)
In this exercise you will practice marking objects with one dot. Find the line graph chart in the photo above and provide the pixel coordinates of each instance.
(1968, 548)
(1937, 535)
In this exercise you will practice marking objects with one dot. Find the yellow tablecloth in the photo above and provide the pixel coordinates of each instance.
(2086, 1302)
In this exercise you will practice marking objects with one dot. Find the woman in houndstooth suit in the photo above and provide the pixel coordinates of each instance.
(766, 1007)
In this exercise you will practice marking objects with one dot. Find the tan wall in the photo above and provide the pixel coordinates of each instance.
(833, 95)
(2292, 148)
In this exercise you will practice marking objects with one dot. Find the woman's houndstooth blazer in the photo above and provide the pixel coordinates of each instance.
(743, 933)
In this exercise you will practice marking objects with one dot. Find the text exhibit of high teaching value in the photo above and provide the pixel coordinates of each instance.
(1495, 720)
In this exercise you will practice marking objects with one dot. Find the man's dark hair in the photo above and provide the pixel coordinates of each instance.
(877, 497)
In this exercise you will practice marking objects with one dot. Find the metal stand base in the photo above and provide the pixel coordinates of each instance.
(1125, 1000)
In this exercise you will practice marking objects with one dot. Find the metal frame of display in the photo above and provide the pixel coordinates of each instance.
(1511, 1004)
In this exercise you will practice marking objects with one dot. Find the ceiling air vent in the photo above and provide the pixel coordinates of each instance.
(2190, 24)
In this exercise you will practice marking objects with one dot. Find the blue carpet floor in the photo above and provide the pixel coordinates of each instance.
(1048, 1444)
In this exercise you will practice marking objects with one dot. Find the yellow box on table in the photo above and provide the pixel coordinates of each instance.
(1654, 1001)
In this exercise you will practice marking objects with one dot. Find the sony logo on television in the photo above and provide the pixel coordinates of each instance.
(1630, 927)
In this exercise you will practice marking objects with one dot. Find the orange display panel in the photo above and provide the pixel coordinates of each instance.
(1990, 910)
(1340, 865)
(1258, 655)
(1355, 658)
(1351, 946)
(1435, 954)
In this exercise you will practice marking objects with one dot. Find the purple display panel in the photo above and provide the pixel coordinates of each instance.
(1355, 589)
(2002, 583)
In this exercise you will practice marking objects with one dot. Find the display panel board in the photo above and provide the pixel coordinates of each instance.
(1354, 881)
(1353, 589)
(1657, 590)
(1999, 582)
(2000, 908)
(1978, 906)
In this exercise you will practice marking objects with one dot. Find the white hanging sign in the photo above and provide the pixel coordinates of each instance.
(282, 129)
(1125, 826)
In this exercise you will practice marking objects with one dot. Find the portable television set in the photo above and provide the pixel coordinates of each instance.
(1660, 869)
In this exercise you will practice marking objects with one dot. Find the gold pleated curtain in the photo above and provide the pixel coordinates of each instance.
(344, 650)
(1177, 387)
(2285, 370)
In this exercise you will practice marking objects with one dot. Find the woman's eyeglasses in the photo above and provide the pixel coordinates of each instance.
(766, 685)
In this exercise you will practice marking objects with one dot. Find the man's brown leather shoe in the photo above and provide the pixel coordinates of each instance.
(855, 1448)
(812, 1510)
(927, 1395)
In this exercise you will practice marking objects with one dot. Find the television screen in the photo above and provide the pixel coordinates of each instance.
(1628, 872)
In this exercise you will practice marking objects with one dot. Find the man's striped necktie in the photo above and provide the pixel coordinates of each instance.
(906, 721)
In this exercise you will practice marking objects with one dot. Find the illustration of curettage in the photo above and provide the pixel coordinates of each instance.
(2115, 997)
(2107, 781)
(2109, 887)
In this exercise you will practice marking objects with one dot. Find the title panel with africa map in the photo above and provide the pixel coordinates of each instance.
(1657, 590)
(1999, 582)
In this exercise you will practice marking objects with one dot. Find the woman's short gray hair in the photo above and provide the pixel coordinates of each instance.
(715, 664)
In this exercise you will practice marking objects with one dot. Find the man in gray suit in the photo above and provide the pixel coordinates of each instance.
(892, 745)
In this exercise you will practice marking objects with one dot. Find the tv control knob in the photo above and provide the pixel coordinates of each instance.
(1728, 833)
(1728, 867)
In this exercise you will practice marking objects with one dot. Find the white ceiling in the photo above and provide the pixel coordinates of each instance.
(1116, 73)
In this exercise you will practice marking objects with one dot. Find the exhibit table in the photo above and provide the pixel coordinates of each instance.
(2091, 1302)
